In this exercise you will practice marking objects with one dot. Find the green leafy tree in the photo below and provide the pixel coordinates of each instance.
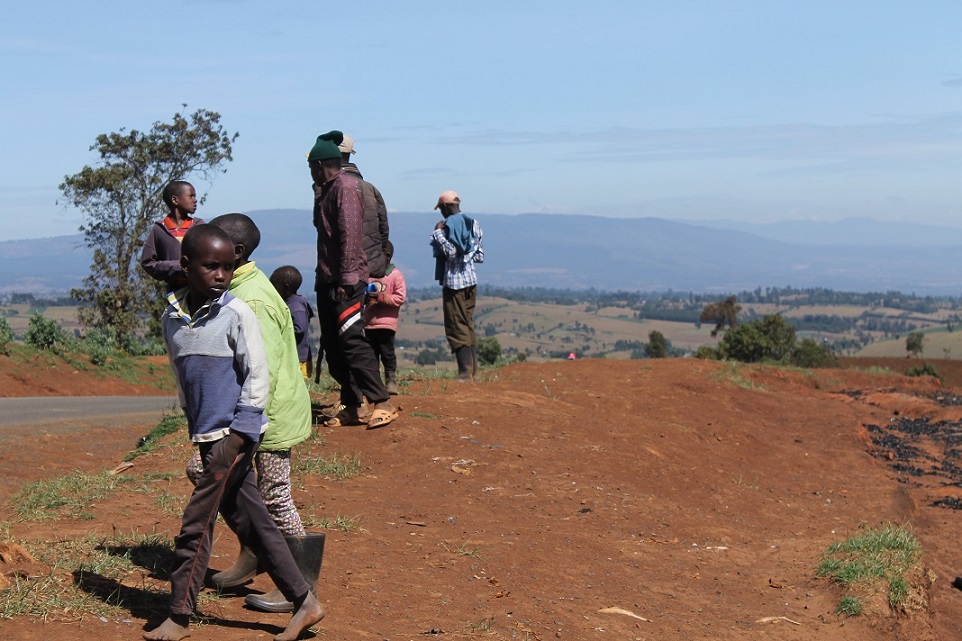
(913, 343)
(121, 196)
(489, 351)
(657, 346)
(769, 338)
(809, 353)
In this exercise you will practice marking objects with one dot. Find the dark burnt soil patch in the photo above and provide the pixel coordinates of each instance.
(919, 448)
(948, 399)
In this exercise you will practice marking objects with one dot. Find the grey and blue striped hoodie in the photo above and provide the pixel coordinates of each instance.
(219, 362)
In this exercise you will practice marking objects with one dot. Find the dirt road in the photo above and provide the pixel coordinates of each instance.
(58, 413)
(46, 436)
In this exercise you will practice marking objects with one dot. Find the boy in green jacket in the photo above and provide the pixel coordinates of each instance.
(288, 414)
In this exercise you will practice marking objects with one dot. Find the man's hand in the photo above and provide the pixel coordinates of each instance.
(340, 293)
(440, 225)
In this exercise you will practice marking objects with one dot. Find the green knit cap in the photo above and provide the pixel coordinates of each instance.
(334, 136)
(326, 146)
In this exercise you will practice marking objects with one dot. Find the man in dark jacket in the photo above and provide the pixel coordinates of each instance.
(341, 285)
(376, 228)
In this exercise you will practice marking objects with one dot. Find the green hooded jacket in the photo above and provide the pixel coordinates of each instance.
(288, 403)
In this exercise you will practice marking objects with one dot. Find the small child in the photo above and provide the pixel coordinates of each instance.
(160, 257)
(287, 280)
(218, 359)
(384, 302)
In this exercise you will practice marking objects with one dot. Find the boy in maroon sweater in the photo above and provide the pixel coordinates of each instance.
(161, 254)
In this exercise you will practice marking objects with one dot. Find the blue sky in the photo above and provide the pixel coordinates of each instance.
(758, 111)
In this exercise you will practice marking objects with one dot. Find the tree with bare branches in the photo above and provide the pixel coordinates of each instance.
(721, 314)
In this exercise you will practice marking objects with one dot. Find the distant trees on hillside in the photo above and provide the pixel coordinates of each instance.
(770, 339)
(880, 315)
(686, 306)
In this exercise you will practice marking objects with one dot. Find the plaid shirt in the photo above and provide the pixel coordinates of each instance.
(459, 268)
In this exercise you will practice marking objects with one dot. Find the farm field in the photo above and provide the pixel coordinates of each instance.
(938, 343)
(548, 331)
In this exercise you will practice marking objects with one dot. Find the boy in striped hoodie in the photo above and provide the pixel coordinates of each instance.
(217, 355)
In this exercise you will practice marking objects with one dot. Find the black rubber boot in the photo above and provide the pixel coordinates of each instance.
(390, 382)
(465, 363)
(243, 570)
(474, 362)
(308, 552)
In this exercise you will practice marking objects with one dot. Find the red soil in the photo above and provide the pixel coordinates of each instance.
(673, 499)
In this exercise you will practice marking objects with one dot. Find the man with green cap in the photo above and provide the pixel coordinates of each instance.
(340, 283)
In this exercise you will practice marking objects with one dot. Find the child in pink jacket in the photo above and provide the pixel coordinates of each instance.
(384, 300)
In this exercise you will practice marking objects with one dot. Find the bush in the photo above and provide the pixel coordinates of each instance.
(44, 333)
(100, 345)
(426, 357)
(926, 369)
(708, 353)
(809, 353)
(657, 346)
(6, 335)
(489, 351)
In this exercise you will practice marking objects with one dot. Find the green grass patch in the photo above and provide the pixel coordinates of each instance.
(338, 522)
(65, 497)
(160, 476)
(169, 424)
(336, 466)
(481, 626)
(423, 415)
(876, 560)
(465, 550)
(170, 504)
(875, 369)
(104, 577)
(850, 606)
(324, 386)
(733, 374)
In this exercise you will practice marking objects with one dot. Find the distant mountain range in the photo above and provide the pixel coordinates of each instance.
(580, 252)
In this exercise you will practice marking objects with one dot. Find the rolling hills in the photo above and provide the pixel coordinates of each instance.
(581, 252)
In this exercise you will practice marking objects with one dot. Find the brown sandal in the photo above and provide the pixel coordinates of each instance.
(344, 418)
(382, 417)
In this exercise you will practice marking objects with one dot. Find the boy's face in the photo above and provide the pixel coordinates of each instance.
(210, 270)
(185, 199)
